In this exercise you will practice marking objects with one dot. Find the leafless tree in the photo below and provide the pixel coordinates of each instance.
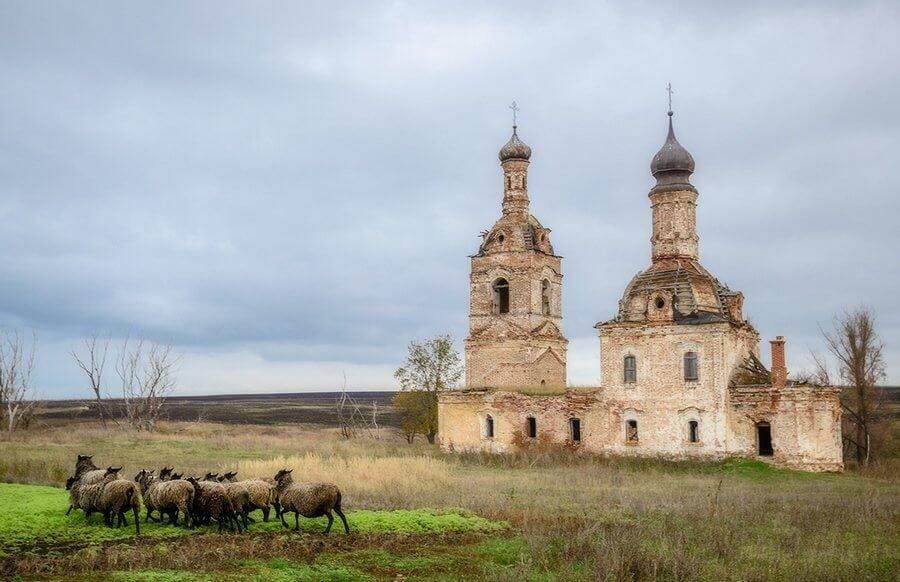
(351, 419)
(147, 376)
(17, 397)
(857, 349)
(92, 363)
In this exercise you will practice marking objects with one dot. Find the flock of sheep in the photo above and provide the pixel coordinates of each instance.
(199, 501)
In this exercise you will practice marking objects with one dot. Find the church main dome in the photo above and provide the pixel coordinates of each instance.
(515, 149)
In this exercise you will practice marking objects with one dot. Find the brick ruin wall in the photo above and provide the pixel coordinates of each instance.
(805, 421)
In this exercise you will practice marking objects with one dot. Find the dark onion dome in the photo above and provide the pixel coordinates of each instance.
(672, 158)
(515, 149)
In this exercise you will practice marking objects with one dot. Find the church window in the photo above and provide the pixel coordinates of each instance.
(501, 238)
(532, 427)
(631, 431)
(690, 367)
(660, 302)
(489, 426)
(630, 369)
(693, 431)
(545, 297)
(575, 430)
(501, 296)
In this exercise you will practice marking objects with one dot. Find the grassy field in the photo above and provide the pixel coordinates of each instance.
(538, 515)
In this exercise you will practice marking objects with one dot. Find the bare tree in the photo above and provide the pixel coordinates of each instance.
(147, 376)
(92, 363)
(857, 349)
(17, 399)
(431, 366)
(351, 419)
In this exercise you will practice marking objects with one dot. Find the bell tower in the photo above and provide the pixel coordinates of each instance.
(515, 339)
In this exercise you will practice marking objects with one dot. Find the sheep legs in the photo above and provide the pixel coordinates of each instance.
(330, 522)
(296, 521)
(137, 520)
(340, 513)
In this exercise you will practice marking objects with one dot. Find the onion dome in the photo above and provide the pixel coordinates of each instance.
(515, 149)
(672, 164)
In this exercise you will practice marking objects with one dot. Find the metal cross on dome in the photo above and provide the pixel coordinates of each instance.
(515, 110)
(669, 91)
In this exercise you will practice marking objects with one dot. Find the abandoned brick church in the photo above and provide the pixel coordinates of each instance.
(680, 369)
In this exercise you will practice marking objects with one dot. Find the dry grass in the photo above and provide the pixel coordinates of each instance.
(363, 476)
(581, 516)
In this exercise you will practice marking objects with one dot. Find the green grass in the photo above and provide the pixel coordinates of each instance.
(35, 515)
(572, 516)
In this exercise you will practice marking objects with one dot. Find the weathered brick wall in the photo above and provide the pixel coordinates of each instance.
(462, 415)
(805, 424)
(661, 399)
(674, 224)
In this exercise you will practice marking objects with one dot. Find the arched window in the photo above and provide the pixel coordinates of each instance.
(575, 430)
(690, 367)
(545, 297)
(501, 296)
(531, 426)
(631, 431)
(489, 426)
(693, 431)
(630, 369)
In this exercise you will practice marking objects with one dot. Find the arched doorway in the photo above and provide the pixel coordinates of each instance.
(764, 439)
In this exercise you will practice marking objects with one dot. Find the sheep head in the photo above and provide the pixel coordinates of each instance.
(144, 478)
(283, 477)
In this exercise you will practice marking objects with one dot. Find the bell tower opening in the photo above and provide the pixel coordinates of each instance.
(501, 296)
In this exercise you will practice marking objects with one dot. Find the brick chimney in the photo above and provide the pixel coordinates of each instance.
(779, 370)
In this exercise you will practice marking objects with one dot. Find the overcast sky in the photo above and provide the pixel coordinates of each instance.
(290, 191)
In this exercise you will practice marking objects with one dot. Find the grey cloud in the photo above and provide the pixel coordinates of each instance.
(305, 181)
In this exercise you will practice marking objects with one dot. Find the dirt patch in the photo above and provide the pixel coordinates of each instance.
(211, 551)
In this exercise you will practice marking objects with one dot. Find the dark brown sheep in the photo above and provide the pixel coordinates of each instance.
(308, 500)
(211, 501)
